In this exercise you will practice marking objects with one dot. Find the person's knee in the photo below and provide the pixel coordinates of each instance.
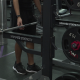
(30, 43)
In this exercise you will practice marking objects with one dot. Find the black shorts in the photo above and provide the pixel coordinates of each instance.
(27, 17)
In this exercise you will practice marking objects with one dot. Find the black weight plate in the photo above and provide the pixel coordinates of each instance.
(59, 78)
(76, 74)
(71, 35)
(73, 4)
(69, 77)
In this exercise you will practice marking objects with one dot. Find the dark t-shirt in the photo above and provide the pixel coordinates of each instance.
(25, 4)
(26, 12)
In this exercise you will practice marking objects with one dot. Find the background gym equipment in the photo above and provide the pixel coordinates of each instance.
(59, 11)
(9, 3)
(75, 4)
(62, 11)
(72, 20)
(39, 28)
(69, 76)
(3, 20)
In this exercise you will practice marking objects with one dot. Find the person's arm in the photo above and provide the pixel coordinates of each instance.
(16, 7)
(17, 11)
(38, 5)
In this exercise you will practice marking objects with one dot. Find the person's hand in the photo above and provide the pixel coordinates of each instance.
(19, 23)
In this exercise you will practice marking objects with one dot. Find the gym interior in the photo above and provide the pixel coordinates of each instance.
(61, 64)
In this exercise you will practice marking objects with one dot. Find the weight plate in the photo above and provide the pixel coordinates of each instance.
(76, 74)
(67, 77)
(71, 37)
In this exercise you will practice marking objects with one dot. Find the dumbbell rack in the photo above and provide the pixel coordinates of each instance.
(3, 21)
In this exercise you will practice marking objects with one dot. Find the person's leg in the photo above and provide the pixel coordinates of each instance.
(18, 67)
(31, 66)
(30, 56)
(18, 52)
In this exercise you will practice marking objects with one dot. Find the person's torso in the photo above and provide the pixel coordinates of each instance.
(25, 4)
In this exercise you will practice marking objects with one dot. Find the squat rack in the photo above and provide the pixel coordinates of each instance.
(47, 42)
(48, 38)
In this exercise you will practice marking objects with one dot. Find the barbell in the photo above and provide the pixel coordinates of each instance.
(26, 25)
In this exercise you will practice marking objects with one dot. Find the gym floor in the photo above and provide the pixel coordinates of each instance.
(7, 57)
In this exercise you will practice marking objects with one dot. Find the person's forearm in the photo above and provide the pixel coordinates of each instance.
(38, 5)
(16, 7)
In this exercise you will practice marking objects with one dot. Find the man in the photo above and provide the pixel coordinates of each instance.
(22, 13)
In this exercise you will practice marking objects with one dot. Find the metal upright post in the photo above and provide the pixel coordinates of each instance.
(58, 5)
(47, 35)
(3, 20)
